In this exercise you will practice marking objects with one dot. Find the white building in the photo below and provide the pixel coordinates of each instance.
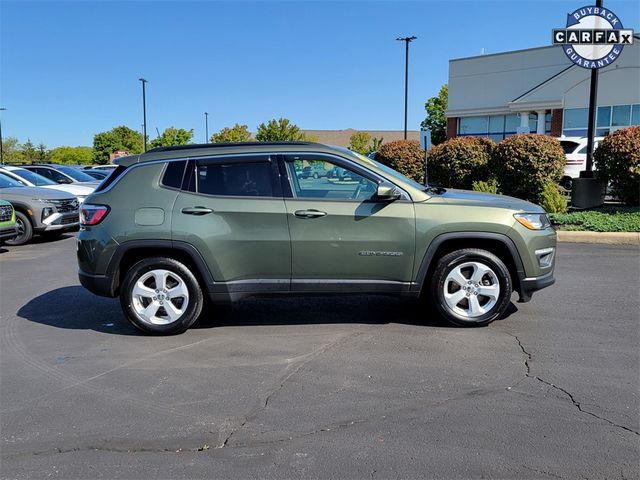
(539, 90)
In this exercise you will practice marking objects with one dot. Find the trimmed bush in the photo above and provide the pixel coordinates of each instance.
(617, 159)
(405, 156)
(490, 186)
(524, 164)
(460, 161)
(552, 199)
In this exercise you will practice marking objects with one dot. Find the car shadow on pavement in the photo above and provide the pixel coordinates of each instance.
(75, 308)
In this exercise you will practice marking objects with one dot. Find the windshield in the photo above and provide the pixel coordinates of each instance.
(6, 181)
(76, 174)
(568, 147)
(32, 177)
(390, 171)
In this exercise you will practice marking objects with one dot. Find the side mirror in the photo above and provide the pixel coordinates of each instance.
(64, 181)
(387, 192)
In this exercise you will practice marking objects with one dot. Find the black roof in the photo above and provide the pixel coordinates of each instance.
(194, 146)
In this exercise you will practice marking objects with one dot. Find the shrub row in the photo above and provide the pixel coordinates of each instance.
(524, 166)
(617, 159)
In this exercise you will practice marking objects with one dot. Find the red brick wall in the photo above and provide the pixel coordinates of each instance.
(556, 123)
(452, 127)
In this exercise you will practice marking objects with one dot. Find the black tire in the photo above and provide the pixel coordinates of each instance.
(497, 275)
(25, 230)
(177, 272)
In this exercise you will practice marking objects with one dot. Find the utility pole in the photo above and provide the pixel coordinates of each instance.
(144, 113)
(206, 127)
(407, 41)
(2, 109)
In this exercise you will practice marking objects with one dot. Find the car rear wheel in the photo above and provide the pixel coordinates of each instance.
(471, 287)
(25, 230)
(161, 296)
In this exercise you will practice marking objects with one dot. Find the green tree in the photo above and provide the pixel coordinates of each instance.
(237, 133)
(360, 142)
(11, 151)
(42, 153)
(72, 155)
(118, 138)
(172, 136)
(281, 130)
(29, 151)
(436, 120)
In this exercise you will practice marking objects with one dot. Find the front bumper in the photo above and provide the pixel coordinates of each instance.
(533, 284)
(60, 221)
(8, 233)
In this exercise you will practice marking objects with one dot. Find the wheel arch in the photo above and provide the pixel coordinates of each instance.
(24, 209)
(131, 252)
(498, 244)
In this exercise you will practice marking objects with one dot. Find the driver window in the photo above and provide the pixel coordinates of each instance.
(327, 181)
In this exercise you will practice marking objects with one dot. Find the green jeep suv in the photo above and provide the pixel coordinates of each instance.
(234, 220)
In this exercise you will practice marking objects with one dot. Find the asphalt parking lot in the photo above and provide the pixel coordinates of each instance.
(321, 387)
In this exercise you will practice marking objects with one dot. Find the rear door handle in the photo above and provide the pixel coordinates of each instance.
(309, 213)
(196, 210)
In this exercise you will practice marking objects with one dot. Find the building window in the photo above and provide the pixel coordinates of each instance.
(608, 118)
(473, 126)
(621, 116)
(498, 127)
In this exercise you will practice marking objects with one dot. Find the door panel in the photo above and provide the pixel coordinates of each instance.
(241, 237)
(339, 232)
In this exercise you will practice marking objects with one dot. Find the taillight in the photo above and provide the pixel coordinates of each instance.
(92, 214)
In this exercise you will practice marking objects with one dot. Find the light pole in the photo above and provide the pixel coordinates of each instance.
(407, 41)
(2, 109)
(144, 113)
(206, 127)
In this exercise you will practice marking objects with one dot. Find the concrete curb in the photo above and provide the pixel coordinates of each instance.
(609, 238)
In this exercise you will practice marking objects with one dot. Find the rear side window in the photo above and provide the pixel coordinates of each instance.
(113, 176)
(242, 179)
(173, 174)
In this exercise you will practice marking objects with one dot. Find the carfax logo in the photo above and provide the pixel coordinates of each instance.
(593, 38)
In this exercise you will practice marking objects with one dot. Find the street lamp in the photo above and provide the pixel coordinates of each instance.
(206, 127)
(2, 109)
(407, 41)
(144, 113)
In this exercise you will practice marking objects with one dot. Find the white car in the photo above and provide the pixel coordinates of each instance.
(575, 150)
(32, 179)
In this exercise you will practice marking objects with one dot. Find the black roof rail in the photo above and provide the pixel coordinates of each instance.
(194, 146)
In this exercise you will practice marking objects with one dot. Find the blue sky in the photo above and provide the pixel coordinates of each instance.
(70, 69)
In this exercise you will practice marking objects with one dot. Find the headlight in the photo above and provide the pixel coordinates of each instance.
(533, 221)
(47, 212)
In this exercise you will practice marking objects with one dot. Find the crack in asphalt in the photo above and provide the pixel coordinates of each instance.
(306, 359)
(575, 402)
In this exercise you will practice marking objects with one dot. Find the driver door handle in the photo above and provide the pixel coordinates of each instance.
(196, 210)
(309, 213)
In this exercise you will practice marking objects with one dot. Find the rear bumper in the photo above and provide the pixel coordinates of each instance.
(99, 284)
(530, 285)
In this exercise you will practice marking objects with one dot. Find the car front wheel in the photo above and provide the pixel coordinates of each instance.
(471, 287)
(25, 230)
(161, 296)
